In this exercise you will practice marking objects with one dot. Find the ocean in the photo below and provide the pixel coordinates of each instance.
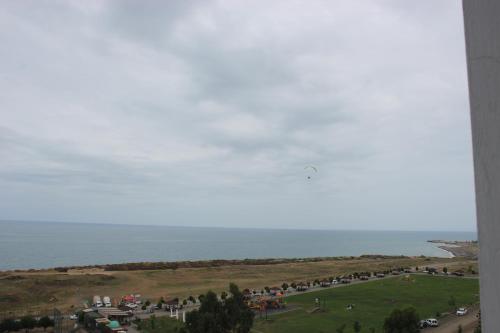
(25, 245)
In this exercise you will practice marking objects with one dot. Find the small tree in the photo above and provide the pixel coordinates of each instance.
(267, 289)
(148, 303)
(452, 302)
(356, 326)
(284, 286)
(223, 295)
(184, 302)
(445, 270)
(340, 329)
(152, 320)
(28, 323)
(45, 322)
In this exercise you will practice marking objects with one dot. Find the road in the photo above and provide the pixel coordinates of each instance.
(450, 323)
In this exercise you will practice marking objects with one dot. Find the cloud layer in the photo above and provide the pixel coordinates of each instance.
(206, 112)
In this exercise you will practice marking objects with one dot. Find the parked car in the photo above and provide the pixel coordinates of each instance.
(461, 311)
(431, 322)
(131, 305)
(73, 317)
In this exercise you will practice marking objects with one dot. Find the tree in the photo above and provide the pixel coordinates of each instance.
(239, 314)
(445, 270)
(9, 325)
(356, 326)
(45, 322)
(184, 302)
(28, 323)
(452, 302)
(402, 321)
(371, 329)
(284, 286)
(223, 295)
(214, 316)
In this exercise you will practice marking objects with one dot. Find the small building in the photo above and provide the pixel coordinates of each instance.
(115, 314)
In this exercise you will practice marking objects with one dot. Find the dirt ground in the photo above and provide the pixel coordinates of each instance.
(450, 323)
(39, 292)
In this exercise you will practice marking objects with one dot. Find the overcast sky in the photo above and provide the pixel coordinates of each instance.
(205, 113)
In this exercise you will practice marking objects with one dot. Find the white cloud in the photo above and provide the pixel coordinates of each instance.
(212, 108)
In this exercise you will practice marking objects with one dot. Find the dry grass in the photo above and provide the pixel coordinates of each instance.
(42, 291)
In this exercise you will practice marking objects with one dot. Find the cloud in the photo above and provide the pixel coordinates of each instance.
(128, 112)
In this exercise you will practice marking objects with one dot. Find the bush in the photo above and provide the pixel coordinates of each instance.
(406, 320)
(45, 322)
(340, 329)
(9, 325)
(28, 323)
(356, 326)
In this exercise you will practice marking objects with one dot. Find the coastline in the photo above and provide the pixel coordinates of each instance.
(465, 249)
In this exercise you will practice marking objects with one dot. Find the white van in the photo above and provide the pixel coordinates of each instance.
(97, 301)
(107, 301)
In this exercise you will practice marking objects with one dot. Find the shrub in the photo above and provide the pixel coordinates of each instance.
(45, 322)
(406, 320)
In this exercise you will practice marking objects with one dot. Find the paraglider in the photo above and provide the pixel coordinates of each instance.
(311, 169)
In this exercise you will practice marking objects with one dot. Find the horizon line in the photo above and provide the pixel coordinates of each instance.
(226, 227)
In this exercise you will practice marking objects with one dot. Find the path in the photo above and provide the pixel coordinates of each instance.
(450, 323)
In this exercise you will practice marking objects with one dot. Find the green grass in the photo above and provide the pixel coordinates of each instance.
(373, 302)
(161, 325)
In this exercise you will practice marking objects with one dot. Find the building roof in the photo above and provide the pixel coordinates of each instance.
(112, 312)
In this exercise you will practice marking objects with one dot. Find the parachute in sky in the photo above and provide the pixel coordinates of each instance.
(311, 170)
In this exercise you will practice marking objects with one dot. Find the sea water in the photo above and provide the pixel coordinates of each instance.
(26, 245)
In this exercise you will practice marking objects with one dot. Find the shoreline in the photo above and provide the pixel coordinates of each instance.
(465, 249)
(173, 265)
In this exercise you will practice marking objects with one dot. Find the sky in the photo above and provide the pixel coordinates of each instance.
(207, 113)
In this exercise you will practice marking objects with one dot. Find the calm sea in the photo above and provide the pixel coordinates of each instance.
(46, 244)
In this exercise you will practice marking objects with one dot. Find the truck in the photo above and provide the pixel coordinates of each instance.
(97, 301)
(107, 301)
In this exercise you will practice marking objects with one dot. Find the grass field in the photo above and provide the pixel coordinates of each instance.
(161, 325)
(373, 302)
(34, 291)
